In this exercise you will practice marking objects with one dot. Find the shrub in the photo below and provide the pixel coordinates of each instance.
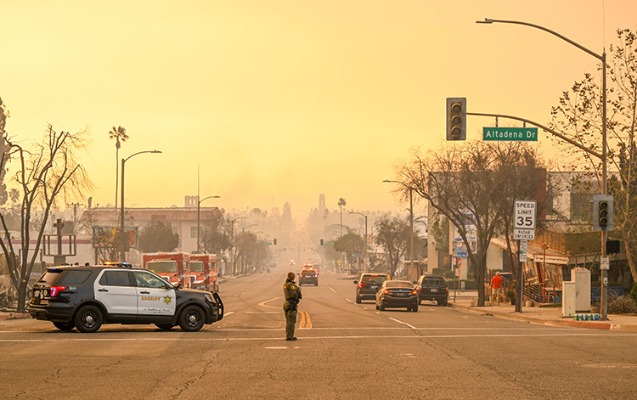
(633, 293)
(622, 305)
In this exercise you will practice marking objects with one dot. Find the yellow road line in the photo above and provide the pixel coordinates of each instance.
(306, 320)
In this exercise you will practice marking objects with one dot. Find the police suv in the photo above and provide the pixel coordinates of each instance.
(87, 297)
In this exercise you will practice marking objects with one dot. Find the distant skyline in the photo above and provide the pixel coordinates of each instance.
(283, 100)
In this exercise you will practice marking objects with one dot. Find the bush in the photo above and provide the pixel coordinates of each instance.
(622, 305)
(633, 293)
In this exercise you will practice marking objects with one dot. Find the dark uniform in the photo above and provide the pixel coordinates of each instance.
(292, 297)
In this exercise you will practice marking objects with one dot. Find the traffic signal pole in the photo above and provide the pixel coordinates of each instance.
(603, 157)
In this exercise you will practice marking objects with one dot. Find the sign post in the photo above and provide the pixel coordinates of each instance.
(523, 231)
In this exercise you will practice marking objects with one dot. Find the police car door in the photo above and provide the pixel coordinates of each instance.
(153, 296)
(115, 290)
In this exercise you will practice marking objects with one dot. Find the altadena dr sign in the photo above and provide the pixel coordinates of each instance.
(513, 134)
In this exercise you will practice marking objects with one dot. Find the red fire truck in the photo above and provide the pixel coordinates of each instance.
(174, 267)
(203, 272)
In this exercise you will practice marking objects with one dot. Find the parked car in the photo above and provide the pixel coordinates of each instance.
(368, 284)
(434, 288)
(397, 294)
(87, 297)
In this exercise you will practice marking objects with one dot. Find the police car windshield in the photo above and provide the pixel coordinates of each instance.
(196, 266)
(163, 266)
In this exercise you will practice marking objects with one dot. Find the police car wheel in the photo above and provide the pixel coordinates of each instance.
(88, 319)
(191, 319)
(165, 327)
(64, 326)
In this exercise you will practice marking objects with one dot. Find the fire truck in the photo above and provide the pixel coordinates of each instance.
(173, 267)
(203, 272)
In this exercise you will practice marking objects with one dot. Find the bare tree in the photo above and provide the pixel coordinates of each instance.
(4, 155)
(471, 186)
(393, 235)
(579, 115)
(47, 174)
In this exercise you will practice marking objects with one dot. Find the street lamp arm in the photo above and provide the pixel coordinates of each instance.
(543, 127)
(141, 152)
(122, 250)
(600, 57)
(209, 197)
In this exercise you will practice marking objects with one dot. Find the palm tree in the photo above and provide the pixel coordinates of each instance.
(119, 134)
(341, 204)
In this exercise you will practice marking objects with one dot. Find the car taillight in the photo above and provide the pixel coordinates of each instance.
(446, 290)
(361, 285)
(420, 289)
(414, 291)
(55, 290)
(386, 291)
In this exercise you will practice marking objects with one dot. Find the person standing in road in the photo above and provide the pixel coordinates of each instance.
(292, 297)
(496, 287)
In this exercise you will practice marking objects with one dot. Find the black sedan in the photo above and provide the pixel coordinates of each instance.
(394, 294)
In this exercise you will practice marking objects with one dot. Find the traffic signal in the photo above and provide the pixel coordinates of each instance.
(602, 217)
(456, 118)
(612, 246)
(602, 212)
(274, 241)
(321, 242)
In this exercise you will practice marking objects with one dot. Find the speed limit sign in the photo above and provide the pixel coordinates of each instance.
(524, 215)
(524, 219)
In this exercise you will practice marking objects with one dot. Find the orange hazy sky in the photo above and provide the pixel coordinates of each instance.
(281, 100)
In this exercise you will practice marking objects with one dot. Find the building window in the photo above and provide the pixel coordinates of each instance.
(581, 206)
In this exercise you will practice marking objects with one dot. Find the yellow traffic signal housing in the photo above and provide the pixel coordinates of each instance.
(456, 118)
(602, 212)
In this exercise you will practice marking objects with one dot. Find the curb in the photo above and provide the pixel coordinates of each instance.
(602, 325)
(4, 316)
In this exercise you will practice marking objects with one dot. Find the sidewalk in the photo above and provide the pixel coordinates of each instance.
(466, 300)
(5, 315)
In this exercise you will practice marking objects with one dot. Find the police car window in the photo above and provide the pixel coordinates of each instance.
(115, 278)
(74, 277)
(144, 279)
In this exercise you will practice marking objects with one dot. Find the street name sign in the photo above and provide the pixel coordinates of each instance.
(513, 134)
(524, 220)
(523, 250)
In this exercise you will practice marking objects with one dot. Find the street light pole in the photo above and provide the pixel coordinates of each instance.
(411, 220)
(122, 237)
(198, 215)
(603, 157)
(233, 247)
(365, 246)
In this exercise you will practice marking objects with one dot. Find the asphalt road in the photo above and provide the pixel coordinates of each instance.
(345, 351)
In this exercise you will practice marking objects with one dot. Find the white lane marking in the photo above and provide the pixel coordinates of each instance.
(277, 348)
(182, 339)
(402, 322)
(262, 304)
(228, 313)
(262, 312)
(346, 299)
(333, 290)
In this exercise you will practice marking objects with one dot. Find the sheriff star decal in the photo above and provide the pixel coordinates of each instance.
(168, 299)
